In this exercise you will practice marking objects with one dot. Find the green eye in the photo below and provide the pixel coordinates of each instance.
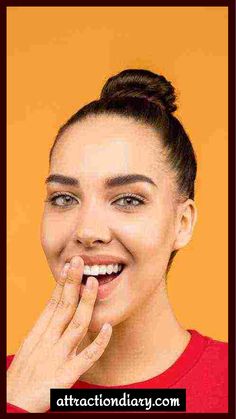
(62, 200)
(129, 201)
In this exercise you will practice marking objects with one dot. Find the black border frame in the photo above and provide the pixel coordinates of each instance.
(230, 4)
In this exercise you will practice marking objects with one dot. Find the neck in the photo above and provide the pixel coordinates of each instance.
(136, 353)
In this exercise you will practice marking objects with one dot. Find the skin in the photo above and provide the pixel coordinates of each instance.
(144, 235)
(47, 357)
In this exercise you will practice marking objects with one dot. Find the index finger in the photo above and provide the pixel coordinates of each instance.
(69, 299)
(44, 319)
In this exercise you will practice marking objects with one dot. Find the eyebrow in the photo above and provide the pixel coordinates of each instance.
(110, 182)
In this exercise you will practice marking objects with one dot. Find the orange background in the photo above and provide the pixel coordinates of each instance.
(58, 60)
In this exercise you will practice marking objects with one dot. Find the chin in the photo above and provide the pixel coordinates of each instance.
(114, 316)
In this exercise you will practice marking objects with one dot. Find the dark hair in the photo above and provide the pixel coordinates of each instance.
(149, 98)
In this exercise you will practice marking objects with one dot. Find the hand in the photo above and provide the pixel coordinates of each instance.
(47, 357)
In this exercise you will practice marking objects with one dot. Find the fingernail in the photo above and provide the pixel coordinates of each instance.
(89, 283)
(75, 262)
(65, 270)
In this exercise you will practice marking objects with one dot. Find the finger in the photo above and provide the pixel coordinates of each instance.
(79, 323)
(85, 359)
(45, 317)
(69, 300)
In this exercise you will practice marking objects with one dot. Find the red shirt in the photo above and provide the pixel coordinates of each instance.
(202, 369)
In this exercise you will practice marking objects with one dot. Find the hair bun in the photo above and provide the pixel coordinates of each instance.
(141, 84)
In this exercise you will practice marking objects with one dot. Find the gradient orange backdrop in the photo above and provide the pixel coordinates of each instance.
(58, 60)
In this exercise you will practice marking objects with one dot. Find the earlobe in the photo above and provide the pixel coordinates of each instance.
(186, 220)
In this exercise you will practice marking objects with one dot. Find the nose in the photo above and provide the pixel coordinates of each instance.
(92, 228)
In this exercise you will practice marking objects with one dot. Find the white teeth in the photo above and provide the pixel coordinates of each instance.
(96, 270)
(102, 270)
(109, 269)
(115, 269)
(86, 270)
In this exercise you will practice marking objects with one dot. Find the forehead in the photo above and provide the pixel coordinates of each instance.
(103, 145)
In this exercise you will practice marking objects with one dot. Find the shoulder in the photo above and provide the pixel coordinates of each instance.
(214, 360)
(206, 380)
(217, 351)
(9, 360)
(210, 348)
(209, 358)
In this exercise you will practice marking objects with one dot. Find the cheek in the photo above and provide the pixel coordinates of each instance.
(148, 236)
(55, 232)
(149, 242)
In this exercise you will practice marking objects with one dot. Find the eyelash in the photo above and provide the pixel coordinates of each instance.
(52, 200)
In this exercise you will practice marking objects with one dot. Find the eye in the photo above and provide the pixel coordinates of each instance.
(62, 200)
(129, 201)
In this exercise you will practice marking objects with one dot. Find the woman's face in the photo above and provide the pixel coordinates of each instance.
(93, 217)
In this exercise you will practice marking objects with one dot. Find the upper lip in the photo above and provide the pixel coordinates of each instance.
(100, 259)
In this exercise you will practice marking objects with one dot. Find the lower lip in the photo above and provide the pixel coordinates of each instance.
(106, 288)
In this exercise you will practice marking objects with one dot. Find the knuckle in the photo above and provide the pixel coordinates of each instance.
(66, 304)
(95, 351)
(52, 303)
(77, 324)
(70, 279)
(61, 282)
(89, 354)
(87, 300)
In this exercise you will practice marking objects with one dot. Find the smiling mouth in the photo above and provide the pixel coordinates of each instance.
(103, 279)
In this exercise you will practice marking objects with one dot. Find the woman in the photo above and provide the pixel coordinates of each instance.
(120, 204)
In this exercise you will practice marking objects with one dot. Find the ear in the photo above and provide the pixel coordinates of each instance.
(185, 222)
